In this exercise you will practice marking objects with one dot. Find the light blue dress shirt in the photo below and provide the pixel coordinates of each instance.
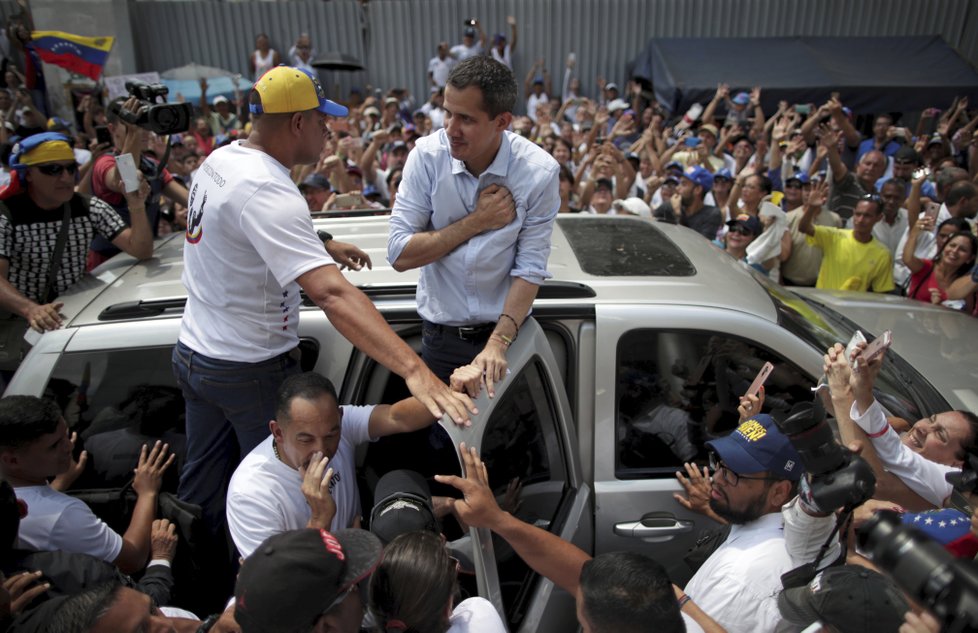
(469, 285)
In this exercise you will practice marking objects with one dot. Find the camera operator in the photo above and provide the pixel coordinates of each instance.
(909, 471)
(107, 183)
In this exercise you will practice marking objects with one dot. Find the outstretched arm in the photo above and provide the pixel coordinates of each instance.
(547, 554)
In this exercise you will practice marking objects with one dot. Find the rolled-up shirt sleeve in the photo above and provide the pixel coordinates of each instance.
(804, 535)
(533, 243)
(923, 476)
(412, 207)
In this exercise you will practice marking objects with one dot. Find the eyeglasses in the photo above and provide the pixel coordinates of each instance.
(56, 169)
(728, 476)
(872, 197)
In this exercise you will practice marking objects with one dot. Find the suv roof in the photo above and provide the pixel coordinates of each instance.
(587, 253)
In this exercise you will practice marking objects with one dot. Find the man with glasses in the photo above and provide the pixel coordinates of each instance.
(755, 472)
(39, 207)
(852, 259)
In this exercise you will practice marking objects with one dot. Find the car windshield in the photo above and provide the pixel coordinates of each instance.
(899, 388)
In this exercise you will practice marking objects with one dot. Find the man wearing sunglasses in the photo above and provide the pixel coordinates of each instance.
(755, 472)
(40, 209)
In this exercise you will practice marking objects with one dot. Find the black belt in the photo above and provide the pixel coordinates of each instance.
(477, 332)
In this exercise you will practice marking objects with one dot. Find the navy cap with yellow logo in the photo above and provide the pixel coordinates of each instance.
(756, 446)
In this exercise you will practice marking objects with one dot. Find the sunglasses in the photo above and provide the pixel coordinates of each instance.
(56, 169)
(741, 230)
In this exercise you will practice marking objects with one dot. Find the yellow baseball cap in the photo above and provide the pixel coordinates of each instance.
(285, 89)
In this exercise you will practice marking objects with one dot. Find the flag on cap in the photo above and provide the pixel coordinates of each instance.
(82, 55)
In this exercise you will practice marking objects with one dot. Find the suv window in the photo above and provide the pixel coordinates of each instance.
(522, 443)
(678, 389)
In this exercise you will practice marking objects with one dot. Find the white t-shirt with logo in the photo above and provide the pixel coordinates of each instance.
(56, 521)
(249, 237)
(265, 495)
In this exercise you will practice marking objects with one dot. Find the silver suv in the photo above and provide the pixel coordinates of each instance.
(636, 354)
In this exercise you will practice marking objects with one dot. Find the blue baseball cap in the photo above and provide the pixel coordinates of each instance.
(723, 173)
(742, 98)
(700, 176)
(757, 446)
(801, 177)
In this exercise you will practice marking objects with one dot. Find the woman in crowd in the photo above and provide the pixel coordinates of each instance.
(413, 591)
(930, 279)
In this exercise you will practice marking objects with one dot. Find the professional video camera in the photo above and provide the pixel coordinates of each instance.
(924, 569)
(838, 477)
(161, 118)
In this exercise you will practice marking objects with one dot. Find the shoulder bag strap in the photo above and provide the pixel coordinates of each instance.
(59, 248)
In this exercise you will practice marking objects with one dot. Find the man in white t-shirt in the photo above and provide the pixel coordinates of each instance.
(470, 47)
(304, 473)
(440, 66)
(250, 248)
(34, 447)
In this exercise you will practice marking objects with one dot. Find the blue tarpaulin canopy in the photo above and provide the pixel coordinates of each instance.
(871, 74)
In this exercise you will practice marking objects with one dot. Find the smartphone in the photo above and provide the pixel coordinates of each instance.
(692, 141)
(857, 338)
(470, 22)
(759, 380)
(931, 210)
(347, 201)
(900, 131)
(804, 109)
(880, 344)
(102, 135)
(921, 172)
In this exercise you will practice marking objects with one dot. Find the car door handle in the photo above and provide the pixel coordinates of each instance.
(653, 527)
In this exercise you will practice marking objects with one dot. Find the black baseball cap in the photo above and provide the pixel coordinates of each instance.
(849, 598)
(294, 577)
(403, 504)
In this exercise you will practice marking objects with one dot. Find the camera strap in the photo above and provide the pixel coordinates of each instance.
(804, 574)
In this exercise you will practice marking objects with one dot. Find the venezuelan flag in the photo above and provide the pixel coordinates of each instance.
(82, 55)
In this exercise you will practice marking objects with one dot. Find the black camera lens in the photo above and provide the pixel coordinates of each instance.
(924, 569)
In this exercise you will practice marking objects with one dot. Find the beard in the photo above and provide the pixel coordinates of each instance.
(753, 511)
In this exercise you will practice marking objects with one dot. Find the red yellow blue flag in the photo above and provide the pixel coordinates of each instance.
(78, 54)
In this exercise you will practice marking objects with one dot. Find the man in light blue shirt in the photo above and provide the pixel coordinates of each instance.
(475, 211)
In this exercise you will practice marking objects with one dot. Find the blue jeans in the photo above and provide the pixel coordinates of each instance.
(228, 408)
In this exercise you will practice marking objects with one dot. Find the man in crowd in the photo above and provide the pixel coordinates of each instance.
(315, 573)
(250, 248)
(687, 206)
(304, 473)
(800, 261)
(756, 471)
(893, 224)
(470, 47)
(440, 65)
(221, 118)
(852, 259)
(31, 225)
(107, 184)
(34, 447)
(882, 139)
(848, 186)
(602, 197)
(475, 212)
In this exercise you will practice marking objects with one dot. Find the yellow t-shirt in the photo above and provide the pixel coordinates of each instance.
(848, 264)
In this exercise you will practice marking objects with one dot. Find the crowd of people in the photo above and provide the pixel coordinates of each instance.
(474, 188)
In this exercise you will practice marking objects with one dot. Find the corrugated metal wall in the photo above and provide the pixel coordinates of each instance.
(395, 38)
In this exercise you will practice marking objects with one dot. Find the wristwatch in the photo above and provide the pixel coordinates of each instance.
(324, 236)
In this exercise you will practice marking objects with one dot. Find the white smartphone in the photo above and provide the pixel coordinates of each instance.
(759, 380)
